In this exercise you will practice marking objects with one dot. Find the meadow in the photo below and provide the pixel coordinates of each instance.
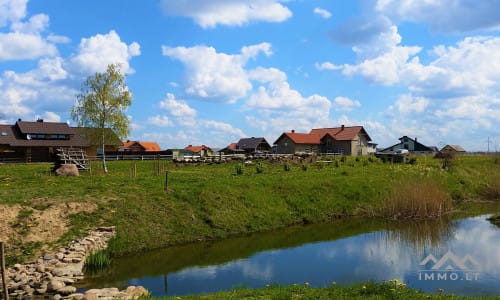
(215, 201)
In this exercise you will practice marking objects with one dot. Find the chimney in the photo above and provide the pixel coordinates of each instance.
(293, 130)
(342, 127)
(415, 139)
(39, 120)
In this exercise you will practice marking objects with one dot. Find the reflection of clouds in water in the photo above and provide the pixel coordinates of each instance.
(482, 242)
(246, 267)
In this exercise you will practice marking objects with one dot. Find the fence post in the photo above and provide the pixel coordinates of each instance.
(166, 181)
(2, 268)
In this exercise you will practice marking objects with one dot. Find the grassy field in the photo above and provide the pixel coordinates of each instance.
(385, 290)
(218, 200)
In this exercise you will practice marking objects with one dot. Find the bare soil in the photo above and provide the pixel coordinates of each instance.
(45, 225)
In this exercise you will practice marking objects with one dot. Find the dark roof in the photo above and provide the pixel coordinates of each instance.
(93, 136)
(41, 127)
(419, 147)
(252, 143)
(16, 135)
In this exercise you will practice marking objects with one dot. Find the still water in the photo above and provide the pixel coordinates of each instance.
(459, 256)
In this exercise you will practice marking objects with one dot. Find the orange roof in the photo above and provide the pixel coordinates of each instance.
(147, 146)
(197, 149)
(232, 146)
(303, 138)
(343, 133)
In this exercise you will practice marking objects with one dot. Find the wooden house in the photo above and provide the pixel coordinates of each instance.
(38, 141)
(254, 145)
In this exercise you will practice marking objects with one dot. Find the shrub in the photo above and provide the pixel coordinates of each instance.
(416, 198)
(304, 167)
(412, 160)
(336, 164)
(287, 167)
(343, 158)
(259, 168)
(239, 169)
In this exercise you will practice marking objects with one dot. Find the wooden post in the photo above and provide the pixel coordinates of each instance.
(2, 268)
(166, 181)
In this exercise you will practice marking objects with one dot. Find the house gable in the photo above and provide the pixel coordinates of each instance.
(253, 144)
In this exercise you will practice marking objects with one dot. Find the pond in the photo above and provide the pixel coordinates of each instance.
(459, 256)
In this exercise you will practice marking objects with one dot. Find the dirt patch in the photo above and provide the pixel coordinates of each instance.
(8, 215)
(45, 225)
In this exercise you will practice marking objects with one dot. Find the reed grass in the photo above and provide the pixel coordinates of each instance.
(97, 261)
(418, 198)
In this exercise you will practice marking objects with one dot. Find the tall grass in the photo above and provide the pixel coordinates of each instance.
(97, 261)
(416, 199)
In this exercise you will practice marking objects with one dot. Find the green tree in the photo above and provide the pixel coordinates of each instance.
(102, 104)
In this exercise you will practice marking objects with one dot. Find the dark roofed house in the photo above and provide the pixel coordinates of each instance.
(254, 145)
(231, 149)
(407, 143)
(38, 141)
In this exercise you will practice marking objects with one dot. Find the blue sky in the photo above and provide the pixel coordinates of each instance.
(211, 72)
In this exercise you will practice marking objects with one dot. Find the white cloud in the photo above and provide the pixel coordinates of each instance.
(12, 11)
(177, 108)
(25, 40)
(444, 16)
(160, 121)
(222, 128)
(327, 66)
(322, 12)
(216, 76)
(97, 52)
(283, 107)
(408, 104)
(209, 14)
(49, 116)
(346, 104)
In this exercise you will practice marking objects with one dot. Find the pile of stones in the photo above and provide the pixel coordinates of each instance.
(52, 276)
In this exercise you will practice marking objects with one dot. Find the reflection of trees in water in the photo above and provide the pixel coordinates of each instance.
(420, 234)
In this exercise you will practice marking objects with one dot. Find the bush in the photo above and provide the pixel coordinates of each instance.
(304, 167)
(287, 167)
(239, 169)
(259, 168)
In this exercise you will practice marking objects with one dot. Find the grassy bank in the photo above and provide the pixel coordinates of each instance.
(217, 201)
(385, 290)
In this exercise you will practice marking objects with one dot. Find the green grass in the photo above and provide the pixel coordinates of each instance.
(97, 261)
(371, 290)
(213, 202)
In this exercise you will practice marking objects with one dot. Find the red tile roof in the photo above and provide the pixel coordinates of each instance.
(303, 138)
(343, 133)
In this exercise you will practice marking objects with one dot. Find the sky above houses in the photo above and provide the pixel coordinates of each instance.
(212, 72)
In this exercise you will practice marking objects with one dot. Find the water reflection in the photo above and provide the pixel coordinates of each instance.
(344, 252)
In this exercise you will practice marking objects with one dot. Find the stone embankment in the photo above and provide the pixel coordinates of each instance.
(52, 276)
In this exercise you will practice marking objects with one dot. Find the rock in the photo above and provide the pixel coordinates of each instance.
(55, 285)
(57, 297)
(67, 290)
(42, 290)
(136, 291)
(40, 268)
(59, 255)
(76, 296)
(18, 267)
(48, 257)
(66, 280)
(67, 170)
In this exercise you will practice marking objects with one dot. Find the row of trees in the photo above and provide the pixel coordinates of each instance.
(102, 104)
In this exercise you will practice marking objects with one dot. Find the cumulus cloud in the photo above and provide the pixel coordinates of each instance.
(209, 14)
(160, 121)
(49, 89)
(177, 108)
(25, 40)
(408, 104)
(283, 106)
(322, 12)
(97, 52)
(346, 104)
(12, 11)
(444, 16)
(216, 76)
